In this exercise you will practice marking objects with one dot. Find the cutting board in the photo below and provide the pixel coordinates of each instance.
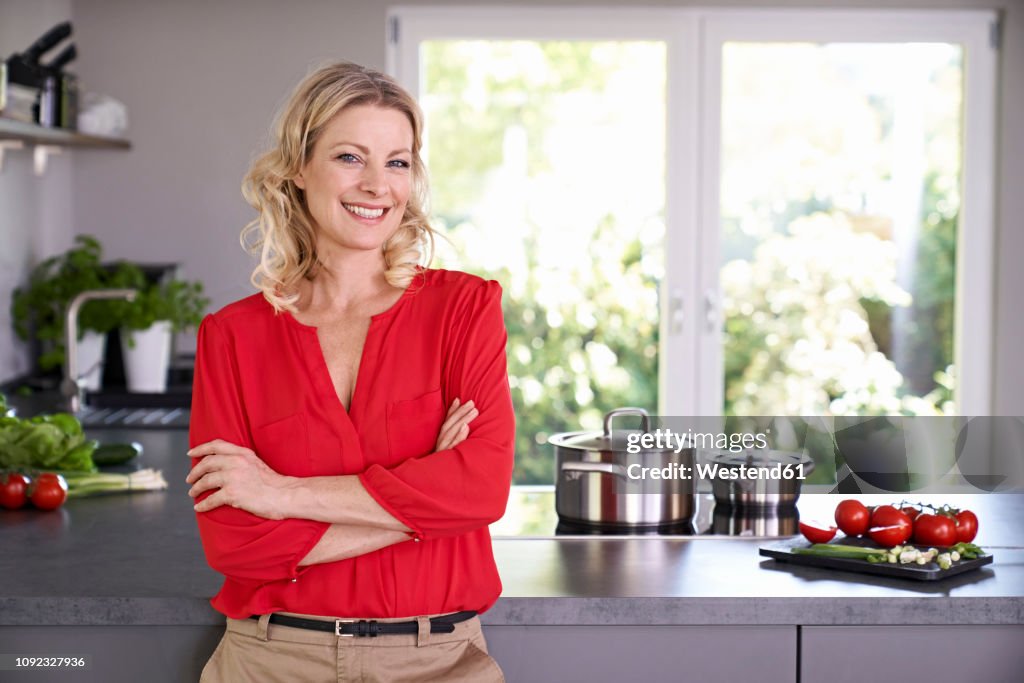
(783, 552)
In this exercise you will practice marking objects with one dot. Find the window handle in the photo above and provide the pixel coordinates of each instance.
(711, 319)
(676, 312)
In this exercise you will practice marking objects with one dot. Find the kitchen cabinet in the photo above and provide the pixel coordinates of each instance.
(853, 654)
(117, 654)
(591, 654)
(527, 654)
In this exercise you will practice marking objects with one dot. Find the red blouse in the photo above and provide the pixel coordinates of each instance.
(261, 381)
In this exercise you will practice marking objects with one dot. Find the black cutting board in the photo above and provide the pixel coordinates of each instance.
(783, 552)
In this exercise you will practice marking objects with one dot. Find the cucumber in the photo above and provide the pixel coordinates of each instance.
(116, 453)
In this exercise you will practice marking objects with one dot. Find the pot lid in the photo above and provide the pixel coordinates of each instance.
(762, 458)
(587, 441)
(602, 441)
(597, 441)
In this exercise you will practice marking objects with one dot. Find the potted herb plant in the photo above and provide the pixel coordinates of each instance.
(147, 324)
(38, 309)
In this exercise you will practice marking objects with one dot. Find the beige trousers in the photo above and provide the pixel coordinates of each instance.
(260, 652)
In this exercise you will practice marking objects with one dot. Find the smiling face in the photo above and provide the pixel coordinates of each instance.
(358, 178)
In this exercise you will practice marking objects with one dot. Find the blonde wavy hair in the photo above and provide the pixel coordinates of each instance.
(282, 235)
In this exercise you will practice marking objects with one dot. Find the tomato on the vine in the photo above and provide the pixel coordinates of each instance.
(13, 487)
(48, 491)
(817, 532)
(852, 517)
(889, 526)
(911, 512)
(966, 526)
(935, 530)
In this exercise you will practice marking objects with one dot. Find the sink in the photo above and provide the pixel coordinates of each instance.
(93, 417)
(37, 394)
(121, 409)
(174, 397)
(113, 409)
(110, 409)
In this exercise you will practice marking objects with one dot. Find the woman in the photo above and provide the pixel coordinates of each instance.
(346, 507)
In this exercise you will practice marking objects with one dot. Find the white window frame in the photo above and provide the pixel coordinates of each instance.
(678, 395)
(691, 356)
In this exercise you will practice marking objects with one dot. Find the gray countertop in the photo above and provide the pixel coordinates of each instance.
(137, 560)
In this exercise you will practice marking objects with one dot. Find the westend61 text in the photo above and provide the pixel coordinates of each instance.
(677, 470)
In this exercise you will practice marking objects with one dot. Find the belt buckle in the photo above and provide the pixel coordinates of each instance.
(337, 628)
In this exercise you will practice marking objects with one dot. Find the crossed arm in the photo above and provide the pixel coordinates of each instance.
(237, 477)
(257, 525)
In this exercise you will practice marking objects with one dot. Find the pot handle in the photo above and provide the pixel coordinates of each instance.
(645, 419)
(600, 467)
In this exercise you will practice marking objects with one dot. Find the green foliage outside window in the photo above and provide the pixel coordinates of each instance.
(809, 282)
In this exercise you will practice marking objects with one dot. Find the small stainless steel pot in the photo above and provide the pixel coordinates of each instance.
(755, 521)
(593, 484)
(759, 492)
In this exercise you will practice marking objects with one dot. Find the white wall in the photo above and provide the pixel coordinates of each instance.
(202, 81)
(35, 212)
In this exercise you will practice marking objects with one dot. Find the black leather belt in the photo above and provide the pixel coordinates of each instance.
(372, 628)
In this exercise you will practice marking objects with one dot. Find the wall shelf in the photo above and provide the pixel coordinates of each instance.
(32, 134)
(46, 141)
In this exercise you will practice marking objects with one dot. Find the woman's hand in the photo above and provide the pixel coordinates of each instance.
(237, 477)
(456, 425)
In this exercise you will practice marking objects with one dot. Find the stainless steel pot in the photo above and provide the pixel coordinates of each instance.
(593, 483)
(773, 491)
(758, 522)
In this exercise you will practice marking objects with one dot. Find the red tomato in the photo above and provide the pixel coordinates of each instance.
(911, 512)
(852, 517)
(890, 526)
(966, 526)
(817, 532)
(934, 530)
(48, 491)
(12, 490)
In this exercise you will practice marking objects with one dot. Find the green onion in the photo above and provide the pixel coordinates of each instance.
(83, 484)
(842, 551)
(860, 550)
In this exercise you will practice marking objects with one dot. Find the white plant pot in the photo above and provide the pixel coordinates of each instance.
(146, 364)
(91, 354)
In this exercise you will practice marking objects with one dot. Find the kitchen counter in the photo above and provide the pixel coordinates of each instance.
(136, 560)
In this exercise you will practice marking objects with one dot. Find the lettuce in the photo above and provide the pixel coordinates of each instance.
(48, 442)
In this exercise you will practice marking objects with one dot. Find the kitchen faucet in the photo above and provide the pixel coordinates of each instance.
(70, 389)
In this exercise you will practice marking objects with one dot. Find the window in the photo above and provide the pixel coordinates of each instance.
(656, 188)
(848, 212)
(840, 197)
